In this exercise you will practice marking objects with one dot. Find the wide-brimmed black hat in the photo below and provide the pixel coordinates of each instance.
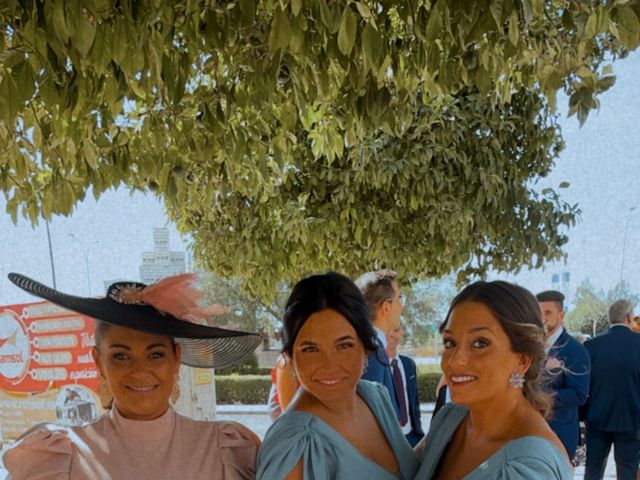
(202, 345)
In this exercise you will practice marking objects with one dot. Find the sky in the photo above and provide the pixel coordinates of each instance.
(103, 240)
(601, 161)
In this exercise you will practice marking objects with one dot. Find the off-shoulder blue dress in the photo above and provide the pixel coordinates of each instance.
(325, 453)
(525, 458)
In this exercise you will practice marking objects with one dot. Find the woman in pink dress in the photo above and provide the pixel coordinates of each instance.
(142, 335)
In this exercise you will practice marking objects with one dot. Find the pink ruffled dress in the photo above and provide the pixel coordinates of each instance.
(171, 446)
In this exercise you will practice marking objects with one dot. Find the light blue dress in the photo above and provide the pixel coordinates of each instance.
(526, 458)
(325, 453)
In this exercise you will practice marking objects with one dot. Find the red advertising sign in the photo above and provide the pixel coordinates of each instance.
(46, 369)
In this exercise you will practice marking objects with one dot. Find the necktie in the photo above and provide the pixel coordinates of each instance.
(399, 386)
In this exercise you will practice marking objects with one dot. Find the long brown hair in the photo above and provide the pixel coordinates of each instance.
(518, 312)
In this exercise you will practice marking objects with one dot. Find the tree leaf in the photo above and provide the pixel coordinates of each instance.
(84, 35)
(605, 83)
(60, 22)
(347, 32)
(514, 32)
(628, 27)
(372, 46)
(364, 10)
(296, 6)
(280, 31)
(10, 103)
(496, 8)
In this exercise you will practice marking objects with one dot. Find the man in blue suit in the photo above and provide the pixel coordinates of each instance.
(405, 379)
(380, 290)
(613, 408)
(567, 371)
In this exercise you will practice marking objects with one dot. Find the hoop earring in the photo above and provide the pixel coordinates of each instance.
(516, 380)
(175, 391)
(106, 399)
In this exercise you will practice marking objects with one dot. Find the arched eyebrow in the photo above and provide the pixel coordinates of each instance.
(314, 344)
(127, 347)
(345, 337)
(471, 330)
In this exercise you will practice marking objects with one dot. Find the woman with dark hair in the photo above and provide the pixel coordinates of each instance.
(337, 426)
(143, 334)
(492, 361)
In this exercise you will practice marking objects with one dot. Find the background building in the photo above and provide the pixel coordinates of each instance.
(161, 262)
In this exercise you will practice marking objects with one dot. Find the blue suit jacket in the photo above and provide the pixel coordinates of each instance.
(413, 398)
(571, 387)
(378, 369)
(614, 401)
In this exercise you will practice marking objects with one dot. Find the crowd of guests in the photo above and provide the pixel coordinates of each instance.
(345, 403)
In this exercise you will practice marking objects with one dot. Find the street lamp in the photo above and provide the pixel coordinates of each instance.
(624, 241)
(86, 262)
(53, 268)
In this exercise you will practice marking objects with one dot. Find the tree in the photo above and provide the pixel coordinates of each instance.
(245, 313)
(425, 306)
(293, 136)
(589, 314)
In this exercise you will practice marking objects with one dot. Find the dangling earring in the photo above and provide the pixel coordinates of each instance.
(106, 399)
(175, 391)
(516, 380)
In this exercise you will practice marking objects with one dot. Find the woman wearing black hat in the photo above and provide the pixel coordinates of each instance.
(143, 333)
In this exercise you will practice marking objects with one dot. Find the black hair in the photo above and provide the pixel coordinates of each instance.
(333, 291)
(552, 296)
(518, 312)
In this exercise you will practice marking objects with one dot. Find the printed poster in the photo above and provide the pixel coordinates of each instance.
(46, 370)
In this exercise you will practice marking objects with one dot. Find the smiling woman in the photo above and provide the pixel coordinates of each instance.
(337, 426)
(143, 334)
(140, 369)
(492, 363)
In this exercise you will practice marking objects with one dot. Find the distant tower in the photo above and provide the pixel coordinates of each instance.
(161, 262)
(562, 283)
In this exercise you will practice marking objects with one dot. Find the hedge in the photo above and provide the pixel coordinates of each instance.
(254, 389)
(242, 389)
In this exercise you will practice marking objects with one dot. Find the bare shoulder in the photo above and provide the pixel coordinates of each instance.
(534, 425)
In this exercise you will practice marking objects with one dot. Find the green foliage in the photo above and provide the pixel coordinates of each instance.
(242, 389)
(248, 366)
(425, 305)
(430, 368)
(589, 314)
(427, 383)
(295, 136)
(246, 313)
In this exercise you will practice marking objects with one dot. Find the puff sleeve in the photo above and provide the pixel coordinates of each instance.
(527, 458)
(288, 442)
(42, 453)
(531, 468)
(238, 449)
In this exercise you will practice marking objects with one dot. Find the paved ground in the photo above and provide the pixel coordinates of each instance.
(256, 418)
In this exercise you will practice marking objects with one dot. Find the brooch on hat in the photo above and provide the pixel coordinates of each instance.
(128, 294)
